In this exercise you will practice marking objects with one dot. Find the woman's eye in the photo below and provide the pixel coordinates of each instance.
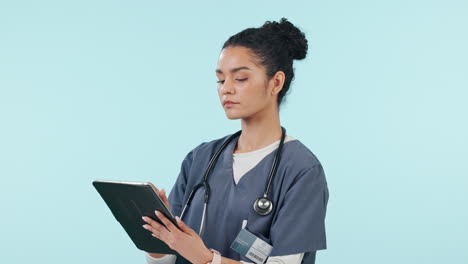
(240, 80)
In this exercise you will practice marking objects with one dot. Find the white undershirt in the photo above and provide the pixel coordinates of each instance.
(242, 163)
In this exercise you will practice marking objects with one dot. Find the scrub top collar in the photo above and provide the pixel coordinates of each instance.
(228, 159)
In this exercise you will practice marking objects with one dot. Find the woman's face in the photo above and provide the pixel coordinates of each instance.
(243, 81)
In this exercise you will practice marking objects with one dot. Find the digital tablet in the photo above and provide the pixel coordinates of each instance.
(128, 202)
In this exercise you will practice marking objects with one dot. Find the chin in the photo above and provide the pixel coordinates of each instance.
(233, 116)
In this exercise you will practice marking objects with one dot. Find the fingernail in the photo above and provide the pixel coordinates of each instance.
(144, 219)
(177, 218)
(157, 213)
(144, 226)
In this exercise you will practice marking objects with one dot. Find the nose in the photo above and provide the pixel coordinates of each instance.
(227, 87)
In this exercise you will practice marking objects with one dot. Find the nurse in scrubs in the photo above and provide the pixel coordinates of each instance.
(254, 72)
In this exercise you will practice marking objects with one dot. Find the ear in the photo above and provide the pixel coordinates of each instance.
(277, 82)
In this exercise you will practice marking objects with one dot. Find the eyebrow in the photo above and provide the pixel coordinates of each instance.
(234, 69)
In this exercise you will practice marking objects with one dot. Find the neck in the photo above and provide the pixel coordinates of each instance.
(258, 132)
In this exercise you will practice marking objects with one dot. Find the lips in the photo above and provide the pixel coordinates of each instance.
(229, 102)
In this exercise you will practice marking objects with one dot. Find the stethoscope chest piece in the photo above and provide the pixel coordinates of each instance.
(263, 206)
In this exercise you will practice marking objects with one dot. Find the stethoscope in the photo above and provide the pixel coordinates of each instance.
(263, 205)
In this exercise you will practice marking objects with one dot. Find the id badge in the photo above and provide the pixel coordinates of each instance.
(251, 247)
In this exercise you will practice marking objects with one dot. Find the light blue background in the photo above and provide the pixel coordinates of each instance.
(124, 89)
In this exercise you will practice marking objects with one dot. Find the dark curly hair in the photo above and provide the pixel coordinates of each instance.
(276, 45)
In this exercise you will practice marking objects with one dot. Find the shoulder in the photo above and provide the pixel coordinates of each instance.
(299, 155)
(300, 165)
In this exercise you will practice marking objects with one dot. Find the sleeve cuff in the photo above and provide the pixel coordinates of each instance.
(168, 259)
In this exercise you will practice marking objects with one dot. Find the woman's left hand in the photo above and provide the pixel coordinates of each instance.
(184, 240)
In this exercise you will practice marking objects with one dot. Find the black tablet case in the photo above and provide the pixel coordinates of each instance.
(128, 202)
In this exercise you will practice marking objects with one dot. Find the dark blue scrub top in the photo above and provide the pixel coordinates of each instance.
(299, 192)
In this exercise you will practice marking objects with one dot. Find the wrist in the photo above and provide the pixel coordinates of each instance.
(156, 255)
(216, 257)
(207, 256)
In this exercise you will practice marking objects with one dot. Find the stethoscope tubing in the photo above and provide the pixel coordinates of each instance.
(214, 158)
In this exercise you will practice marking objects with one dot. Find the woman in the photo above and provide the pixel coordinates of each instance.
(254, 71)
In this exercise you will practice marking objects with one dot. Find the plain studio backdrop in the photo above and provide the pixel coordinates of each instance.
(123, 90)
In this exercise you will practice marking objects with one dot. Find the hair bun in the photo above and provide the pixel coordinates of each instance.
(295, 39)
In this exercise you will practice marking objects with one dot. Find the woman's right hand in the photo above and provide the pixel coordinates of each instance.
(162, 195)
